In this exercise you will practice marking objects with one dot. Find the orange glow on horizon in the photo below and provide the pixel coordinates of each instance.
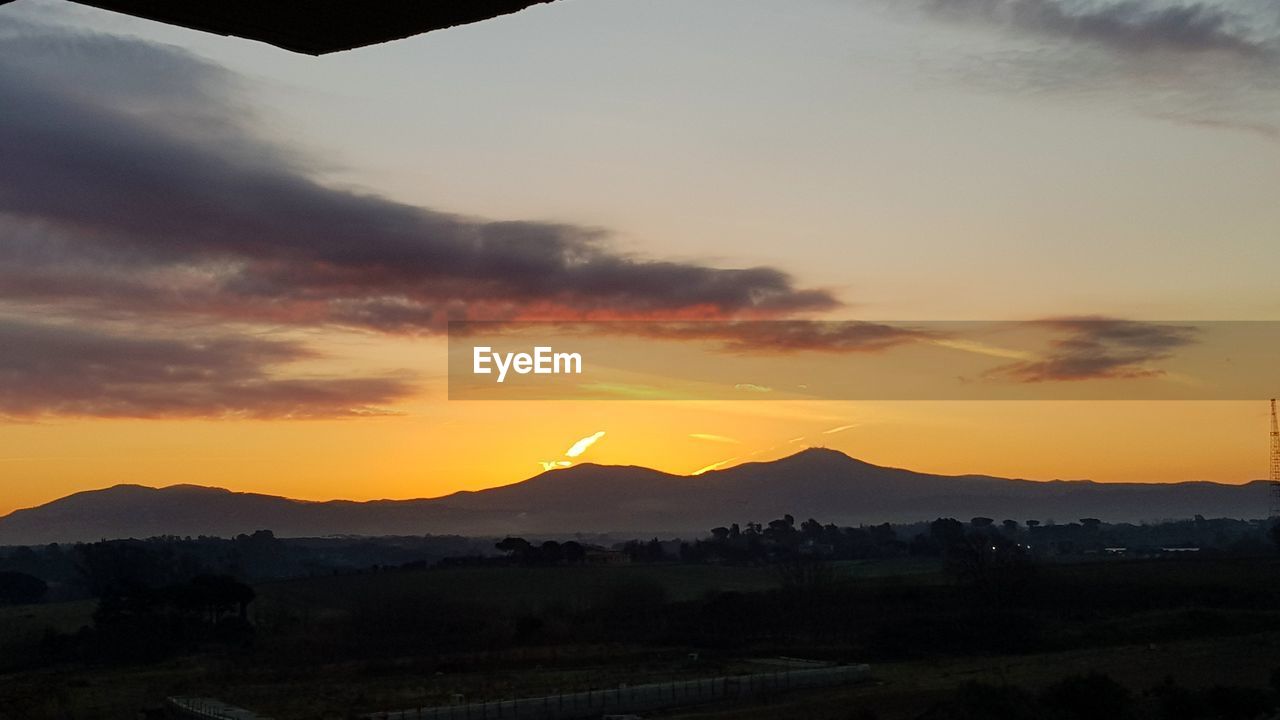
(437, 449)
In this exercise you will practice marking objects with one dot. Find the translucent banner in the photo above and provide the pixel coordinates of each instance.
(1051, 359)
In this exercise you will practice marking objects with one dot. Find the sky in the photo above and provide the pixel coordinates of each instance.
(223, 263)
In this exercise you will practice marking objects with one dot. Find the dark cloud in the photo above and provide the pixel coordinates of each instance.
(139, 157)
(1128, 26)
(65, 370)
(1100, 348)
(138, 189)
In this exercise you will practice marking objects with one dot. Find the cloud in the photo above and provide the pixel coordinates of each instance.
(752, 388)
(1131, 26)
(136, 180)
(52, 370)
(713, 466)
(709, 437)
(840, 429)
(1099, 348)
(981, 348)
(139, 188)
(581, 446)
(1201, 64)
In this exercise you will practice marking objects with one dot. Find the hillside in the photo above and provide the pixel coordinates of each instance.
(626, 499)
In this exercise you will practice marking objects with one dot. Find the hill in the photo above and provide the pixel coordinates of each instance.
(591, 498)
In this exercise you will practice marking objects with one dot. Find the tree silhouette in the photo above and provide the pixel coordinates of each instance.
(17, 588)
(550, 552)
(573, 552)
(516, 547)
(946, 533)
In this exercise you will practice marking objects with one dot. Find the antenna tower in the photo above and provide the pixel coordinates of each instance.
(1275, 462)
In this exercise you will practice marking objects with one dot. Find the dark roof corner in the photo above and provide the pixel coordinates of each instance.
(316, 27)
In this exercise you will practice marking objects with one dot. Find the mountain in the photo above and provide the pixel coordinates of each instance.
(588, 498)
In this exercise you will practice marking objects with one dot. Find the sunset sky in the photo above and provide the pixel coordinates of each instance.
(222, 263)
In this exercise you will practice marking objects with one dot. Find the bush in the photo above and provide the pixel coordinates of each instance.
(981, 701)
(1088, 696)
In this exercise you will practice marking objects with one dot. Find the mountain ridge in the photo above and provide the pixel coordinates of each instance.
(593, 498)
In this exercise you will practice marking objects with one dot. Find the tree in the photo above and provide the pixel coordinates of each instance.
(782, 530)
(644, 551)
(551, 552)
(17, 588)
(946, 533)
(210, 597)
(997, 570)
(573, 552)
(811, 529)
(516, 548)
(883, 535)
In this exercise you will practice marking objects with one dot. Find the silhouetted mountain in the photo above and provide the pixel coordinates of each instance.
(825, 484)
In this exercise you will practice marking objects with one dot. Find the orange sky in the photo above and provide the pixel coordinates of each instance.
(470, 445)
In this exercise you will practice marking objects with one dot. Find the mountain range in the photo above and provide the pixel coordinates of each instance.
(820, 483)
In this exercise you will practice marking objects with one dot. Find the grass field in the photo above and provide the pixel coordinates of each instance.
(23, 627)
(292, 671)
(902, 691)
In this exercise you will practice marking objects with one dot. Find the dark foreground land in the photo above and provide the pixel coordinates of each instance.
(1175, 637)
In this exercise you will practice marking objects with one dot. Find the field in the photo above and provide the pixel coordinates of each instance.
(905, 690)
(23, 627)
(336, 646)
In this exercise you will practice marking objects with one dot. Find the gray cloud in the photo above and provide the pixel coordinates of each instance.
(1100, 348)
(1128, 25)
(1201, 64)
(142, 158)
(65, 370)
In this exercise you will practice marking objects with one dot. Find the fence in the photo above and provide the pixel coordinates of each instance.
(196, 708)
(637, 698)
